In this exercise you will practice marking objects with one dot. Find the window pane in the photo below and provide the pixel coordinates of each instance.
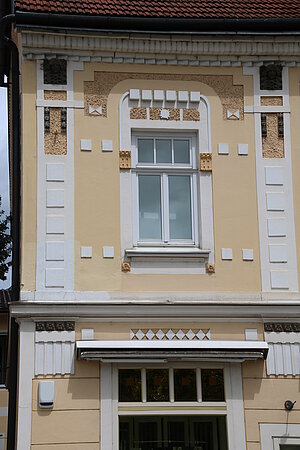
(149, 207)
(180, 207)
(157, 385)
(185, 385)
(212, 381)
(130, 385)
(163, 150)
(181, 151)
(146, 150)
(290, 447)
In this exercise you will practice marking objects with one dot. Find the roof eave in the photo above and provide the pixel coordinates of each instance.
(44, 20)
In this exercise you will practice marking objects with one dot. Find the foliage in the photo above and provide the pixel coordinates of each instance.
(5, 243)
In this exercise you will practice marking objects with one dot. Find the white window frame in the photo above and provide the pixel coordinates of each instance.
(164, 170)
(234, 410)
(275, 434)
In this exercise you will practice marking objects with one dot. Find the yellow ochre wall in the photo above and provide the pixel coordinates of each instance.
(97, 191)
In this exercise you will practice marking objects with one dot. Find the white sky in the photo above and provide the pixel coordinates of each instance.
(4, 189)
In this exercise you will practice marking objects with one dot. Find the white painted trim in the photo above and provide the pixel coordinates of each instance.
(270, 433)
(235, 407)
(60, 103)
(106, 406)
(180, 252)
(26, 375)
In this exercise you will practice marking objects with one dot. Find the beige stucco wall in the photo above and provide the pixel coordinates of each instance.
(97, 202)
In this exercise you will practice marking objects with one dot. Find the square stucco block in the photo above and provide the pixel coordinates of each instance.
(86, 252)
(107, 146)
(251, 334)
(158, 95)
(274, 175)
(227, 254)
(275, 201)
(195, 97)
(223, 149)
(276, 227)
(147, 95)
(183, 96)
(55, 251)
(134, 94)
(247, 254)
(86, 145)
(55, 225)
(87, 334)
(277, 253)
(55, 172)
(108, 252)
(279, 279)
(55, 198)
(55, 278)
(243, 149)
(171, 96)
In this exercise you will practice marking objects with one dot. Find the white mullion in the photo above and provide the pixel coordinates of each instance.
(173, 154)
(154, 151)
(194, 203)
(136, 212)
(144, 386)
(198, 382)
(165, 208)
(171, 384)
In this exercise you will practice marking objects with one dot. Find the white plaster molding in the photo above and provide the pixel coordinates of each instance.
(77, 104)
(276, 226)
(226, 254)
(223, 149)
(26, 375)
(168, 50)
(86, 252)
(247, 254)
(274, 434)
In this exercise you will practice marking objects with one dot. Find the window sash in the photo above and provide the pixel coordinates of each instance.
(165, 209)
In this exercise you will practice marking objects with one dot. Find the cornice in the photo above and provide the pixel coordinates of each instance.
(126, 311)
(172, 50)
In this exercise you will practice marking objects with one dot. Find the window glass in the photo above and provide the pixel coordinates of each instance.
(146, 150)
(130, 385)
(212, 381)
(180, 207)
(157, 385)
(181, 151)
(163, 150)
(149, 207)
(3, 357)
(185, 389)
(290, 447)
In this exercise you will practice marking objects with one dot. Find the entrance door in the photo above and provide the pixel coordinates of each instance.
(172, 433)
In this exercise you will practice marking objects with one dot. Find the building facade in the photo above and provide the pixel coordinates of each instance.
(160, 227)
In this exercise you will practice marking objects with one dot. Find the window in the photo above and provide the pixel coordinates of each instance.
(165, 189)
(157, 408)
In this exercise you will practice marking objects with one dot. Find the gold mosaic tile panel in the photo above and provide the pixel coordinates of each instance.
(55, 142)
(138, 113)
(55, 95)
(271, 101)
(272, 145)
(97, 91)
(155, 114)
(191, 114)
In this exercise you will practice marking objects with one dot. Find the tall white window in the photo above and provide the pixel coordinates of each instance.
(165, 190)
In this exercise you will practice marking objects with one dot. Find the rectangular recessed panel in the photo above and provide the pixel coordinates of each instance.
(275, 201)
(276, 227)
(55, 172)
(55, 251)
(278, 253)
(55, 225)
(274, 176)
(55, 198)
(279, 279)
(55, 278)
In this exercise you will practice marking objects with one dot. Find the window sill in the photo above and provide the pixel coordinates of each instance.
(167, 252)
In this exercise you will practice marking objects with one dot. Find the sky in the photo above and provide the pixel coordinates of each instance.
(4, 189)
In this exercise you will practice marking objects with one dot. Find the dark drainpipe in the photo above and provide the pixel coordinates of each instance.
(15, 160)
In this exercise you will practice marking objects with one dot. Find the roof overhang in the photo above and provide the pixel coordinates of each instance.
(165, 351)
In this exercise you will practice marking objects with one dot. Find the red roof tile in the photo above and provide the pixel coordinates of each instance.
(213, 9)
